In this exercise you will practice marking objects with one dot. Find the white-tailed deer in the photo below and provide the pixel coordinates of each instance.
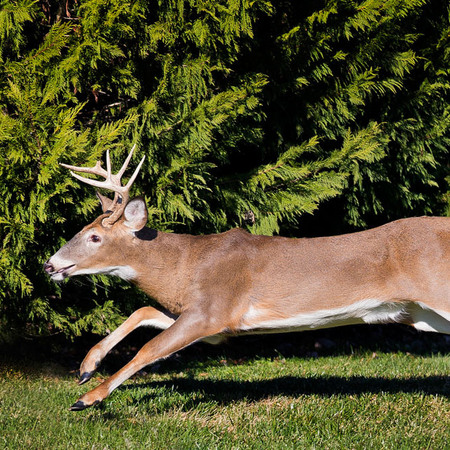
(236, 282)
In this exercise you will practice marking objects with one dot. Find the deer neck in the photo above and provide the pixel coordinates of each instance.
(159, 264)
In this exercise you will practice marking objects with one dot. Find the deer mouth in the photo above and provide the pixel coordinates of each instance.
(65, 270)
(60, 274)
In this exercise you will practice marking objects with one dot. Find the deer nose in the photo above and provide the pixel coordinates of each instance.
(48, 267)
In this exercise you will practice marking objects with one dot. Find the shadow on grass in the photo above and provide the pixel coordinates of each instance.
(227, 391)
(51, 357)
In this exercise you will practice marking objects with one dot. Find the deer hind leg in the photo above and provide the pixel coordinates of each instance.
(188, 328)
(147, 316)
(425, 318)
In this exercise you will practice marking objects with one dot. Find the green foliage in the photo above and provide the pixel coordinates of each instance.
(351, 64)
(250, 113)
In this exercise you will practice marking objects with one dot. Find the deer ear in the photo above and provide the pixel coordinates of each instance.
(104, 201)
(135, 214)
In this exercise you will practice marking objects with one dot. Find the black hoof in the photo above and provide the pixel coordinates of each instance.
(86, 376)
(78, 406)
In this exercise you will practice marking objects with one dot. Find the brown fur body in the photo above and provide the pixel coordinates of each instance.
(237, 282)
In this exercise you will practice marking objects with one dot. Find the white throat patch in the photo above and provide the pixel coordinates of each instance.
(124, 272)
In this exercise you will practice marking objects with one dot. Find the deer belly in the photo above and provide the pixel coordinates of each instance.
(369, 311)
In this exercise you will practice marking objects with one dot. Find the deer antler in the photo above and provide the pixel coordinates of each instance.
(112, 183)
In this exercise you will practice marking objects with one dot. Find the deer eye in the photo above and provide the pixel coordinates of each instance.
(94, 238)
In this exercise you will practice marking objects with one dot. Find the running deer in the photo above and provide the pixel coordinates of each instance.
(235, 282)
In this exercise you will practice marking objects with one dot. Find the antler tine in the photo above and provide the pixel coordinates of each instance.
(135, 173)
(112, 183)
(124, 192)
(96, 183)
(96, 170)
(125, 164)
(108, 165)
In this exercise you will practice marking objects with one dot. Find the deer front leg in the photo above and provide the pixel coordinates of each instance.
(188, 328)
(147, 316)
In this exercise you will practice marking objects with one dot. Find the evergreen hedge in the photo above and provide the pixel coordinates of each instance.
(243, 108)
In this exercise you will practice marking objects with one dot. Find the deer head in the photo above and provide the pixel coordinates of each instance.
(98, 246)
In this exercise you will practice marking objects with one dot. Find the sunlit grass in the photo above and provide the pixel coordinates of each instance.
(382, 400)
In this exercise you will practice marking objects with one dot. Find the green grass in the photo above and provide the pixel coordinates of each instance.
(387, 400)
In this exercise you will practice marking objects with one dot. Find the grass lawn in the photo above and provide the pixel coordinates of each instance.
(361, 400)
